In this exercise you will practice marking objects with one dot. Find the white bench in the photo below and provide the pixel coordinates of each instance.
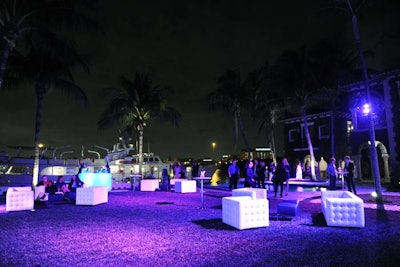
(93, 195)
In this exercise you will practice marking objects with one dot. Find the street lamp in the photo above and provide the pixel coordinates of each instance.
(213, 144)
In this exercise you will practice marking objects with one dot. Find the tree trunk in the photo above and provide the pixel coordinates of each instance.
(40, 91)
(141, 129)
(244, 135)
(333, 133)
(272, 143)
(374, 155)
(235, 133)
(310, 146)
(3, 59)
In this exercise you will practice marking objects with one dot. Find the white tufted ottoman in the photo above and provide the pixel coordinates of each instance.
(149, 185)
(93, 195)
(19, 198)
(342, 208)
(251, 192)
(244, 212)
(188, 186)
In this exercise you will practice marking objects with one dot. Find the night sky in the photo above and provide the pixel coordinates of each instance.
(185, 45)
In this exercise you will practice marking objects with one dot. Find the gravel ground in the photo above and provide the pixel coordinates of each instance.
(170, 229)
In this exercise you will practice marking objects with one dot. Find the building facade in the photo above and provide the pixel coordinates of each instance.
(329, 132)
(340, 134)
(385, 105)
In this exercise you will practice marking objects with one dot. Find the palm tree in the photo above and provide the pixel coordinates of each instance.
(231, 96)
(351, 8)
(48, 66)
(268, 103)
(21, 18)
(335, 66)
(134, 104)
(296, 74)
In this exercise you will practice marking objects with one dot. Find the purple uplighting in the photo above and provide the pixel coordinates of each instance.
(366, 109)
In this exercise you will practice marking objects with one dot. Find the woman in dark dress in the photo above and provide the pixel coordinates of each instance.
(279, 177)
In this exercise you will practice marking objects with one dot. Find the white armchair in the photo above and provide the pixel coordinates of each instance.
(243, 212)
(19, 198)
(342, 208)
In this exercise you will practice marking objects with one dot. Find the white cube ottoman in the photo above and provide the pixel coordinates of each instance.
(251, 192)
(188, 186)
(174, 180)
(342, 208)
(93, 195)
(149, 184)
(19, 198)
(244, 212)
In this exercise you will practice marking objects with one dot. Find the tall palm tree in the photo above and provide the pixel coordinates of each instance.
(48, 66)
(232, 97)
(351, 8)
(134, 104)
(20, 18)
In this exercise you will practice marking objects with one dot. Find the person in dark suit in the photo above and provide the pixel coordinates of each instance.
(233, 173)
(75, 183)
(348, 174)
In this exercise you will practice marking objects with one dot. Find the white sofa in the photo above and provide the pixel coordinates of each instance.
(243, 212)
(149, 184)
(93, 195)
(187, 186)
(19, 198)
(254, 193)
(342, 208)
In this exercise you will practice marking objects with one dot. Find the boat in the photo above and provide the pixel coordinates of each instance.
(121, 162)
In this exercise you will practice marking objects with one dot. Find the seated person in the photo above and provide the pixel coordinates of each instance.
(62, 187)
(75, 183)
(48, 185)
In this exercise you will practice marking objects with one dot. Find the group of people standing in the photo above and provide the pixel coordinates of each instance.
(347, 171)
(256, 172)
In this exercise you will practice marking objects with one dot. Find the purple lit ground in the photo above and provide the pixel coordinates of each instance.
(169, 229)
